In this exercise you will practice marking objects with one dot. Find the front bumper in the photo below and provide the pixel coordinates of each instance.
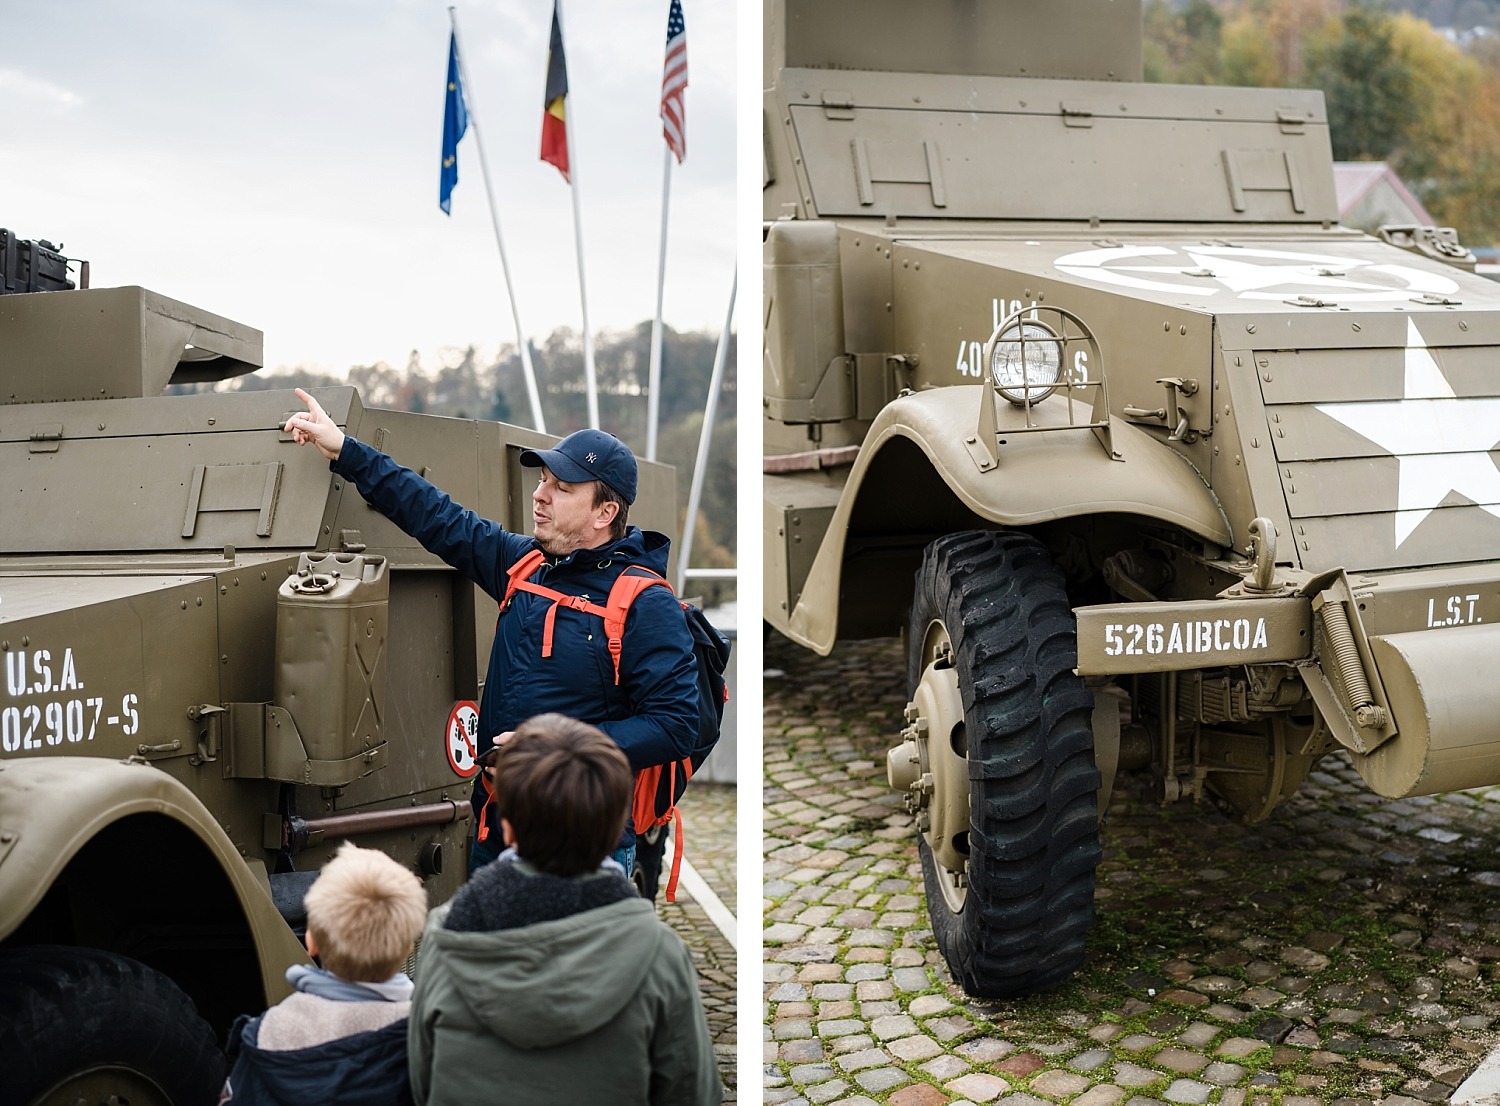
(1411, 688)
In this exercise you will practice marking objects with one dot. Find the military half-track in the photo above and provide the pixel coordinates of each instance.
(1077, 382)
(219, 663)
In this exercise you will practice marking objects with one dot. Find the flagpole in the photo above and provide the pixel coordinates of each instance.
(653, 380)
(705, 435)
(510, 289)
(571, 121)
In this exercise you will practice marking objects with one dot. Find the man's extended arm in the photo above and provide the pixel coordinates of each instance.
(477, 547)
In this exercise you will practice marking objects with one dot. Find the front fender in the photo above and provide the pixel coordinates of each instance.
(50, 807)
(1042, 477)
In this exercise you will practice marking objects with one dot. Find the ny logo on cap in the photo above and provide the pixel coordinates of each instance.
(591, 457)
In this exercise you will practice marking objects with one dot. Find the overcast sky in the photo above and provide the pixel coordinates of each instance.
(277, 163)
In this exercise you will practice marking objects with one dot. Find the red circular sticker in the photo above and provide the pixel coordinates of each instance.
(462, 738)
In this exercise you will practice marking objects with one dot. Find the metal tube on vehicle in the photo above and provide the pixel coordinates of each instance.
(378, 821)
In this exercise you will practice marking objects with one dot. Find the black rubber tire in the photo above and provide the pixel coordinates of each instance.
(71, 1010)
(1033, 823)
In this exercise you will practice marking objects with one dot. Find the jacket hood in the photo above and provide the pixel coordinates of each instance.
(546, 984)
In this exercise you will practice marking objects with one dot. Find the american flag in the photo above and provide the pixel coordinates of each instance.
(674, 83)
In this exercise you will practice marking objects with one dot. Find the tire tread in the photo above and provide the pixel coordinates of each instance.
(1034, 833)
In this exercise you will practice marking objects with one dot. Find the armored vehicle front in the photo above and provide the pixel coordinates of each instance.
(1077, 383)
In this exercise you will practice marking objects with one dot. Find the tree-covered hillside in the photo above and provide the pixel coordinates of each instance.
(1399, 89)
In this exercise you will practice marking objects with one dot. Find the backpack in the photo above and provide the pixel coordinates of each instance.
(659, 787)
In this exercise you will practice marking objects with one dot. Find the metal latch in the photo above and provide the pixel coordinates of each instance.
(45, 438)
(1291, 122)
(210, 737)
(1173, 414)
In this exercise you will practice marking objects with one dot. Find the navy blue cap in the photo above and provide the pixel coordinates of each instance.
(588, 455)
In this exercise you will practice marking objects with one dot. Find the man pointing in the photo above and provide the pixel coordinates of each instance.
(548, 657)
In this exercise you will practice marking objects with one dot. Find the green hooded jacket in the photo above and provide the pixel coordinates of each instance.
(602, 1006)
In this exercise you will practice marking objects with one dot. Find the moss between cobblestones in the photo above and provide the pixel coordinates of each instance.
(1346, 927)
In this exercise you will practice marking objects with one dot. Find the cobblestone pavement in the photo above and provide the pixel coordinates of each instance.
(709, 845)
(1344, 951)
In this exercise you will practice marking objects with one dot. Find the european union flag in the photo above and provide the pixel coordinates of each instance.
(455, 122)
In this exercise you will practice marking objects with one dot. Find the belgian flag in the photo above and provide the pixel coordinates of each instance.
(554, 105)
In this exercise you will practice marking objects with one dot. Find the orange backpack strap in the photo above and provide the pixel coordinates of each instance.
(520, 571)
(676, 855)
(629, 584)
(643, 798)
(643, 809)
(482, 831)
(518, 581)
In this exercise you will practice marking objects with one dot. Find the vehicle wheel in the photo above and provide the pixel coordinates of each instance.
(84, 1025)
(1007, 816)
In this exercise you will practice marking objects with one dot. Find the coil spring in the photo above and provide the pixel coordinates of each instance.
(1351, 670)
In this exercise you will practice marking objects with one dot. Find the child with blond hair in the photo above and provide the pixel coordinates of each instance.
(340, 1038)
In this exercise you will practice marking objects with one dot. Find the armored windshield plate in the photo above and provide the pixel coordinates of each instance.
(1119, 638)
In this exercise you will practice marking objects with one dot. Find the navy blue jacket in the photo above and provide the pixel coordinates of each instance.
(366, 1069)
(652, 715)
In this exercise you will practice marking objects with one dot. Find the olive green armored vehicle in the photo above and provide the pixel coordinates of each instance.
(219, 664)
(1077, 383)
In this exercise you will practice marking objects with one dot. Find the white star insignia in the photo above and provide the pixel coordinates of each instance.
(1440, 442)
(1253, 273)
(1243, 276)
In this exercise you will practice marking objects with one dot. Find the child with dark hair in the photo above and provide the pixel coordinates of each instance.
(547, 979)
(340, 1038)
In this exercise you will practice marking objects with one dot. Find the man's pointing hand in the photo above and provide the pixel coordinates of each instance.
(316, 427)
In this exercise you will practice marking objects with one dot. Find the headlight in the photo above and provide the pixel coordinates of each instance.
(1026, 362)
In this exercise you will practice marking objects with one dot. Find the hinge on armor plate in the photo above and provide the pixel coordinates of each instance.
(46, 438)
(1076, 114)
(1291, 122)
(838, 105)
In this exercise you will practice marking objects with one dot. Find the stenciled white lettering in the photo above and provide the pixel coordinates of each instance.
(43, 669)
(52, 719)
(1220, 635)
(69, 680)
